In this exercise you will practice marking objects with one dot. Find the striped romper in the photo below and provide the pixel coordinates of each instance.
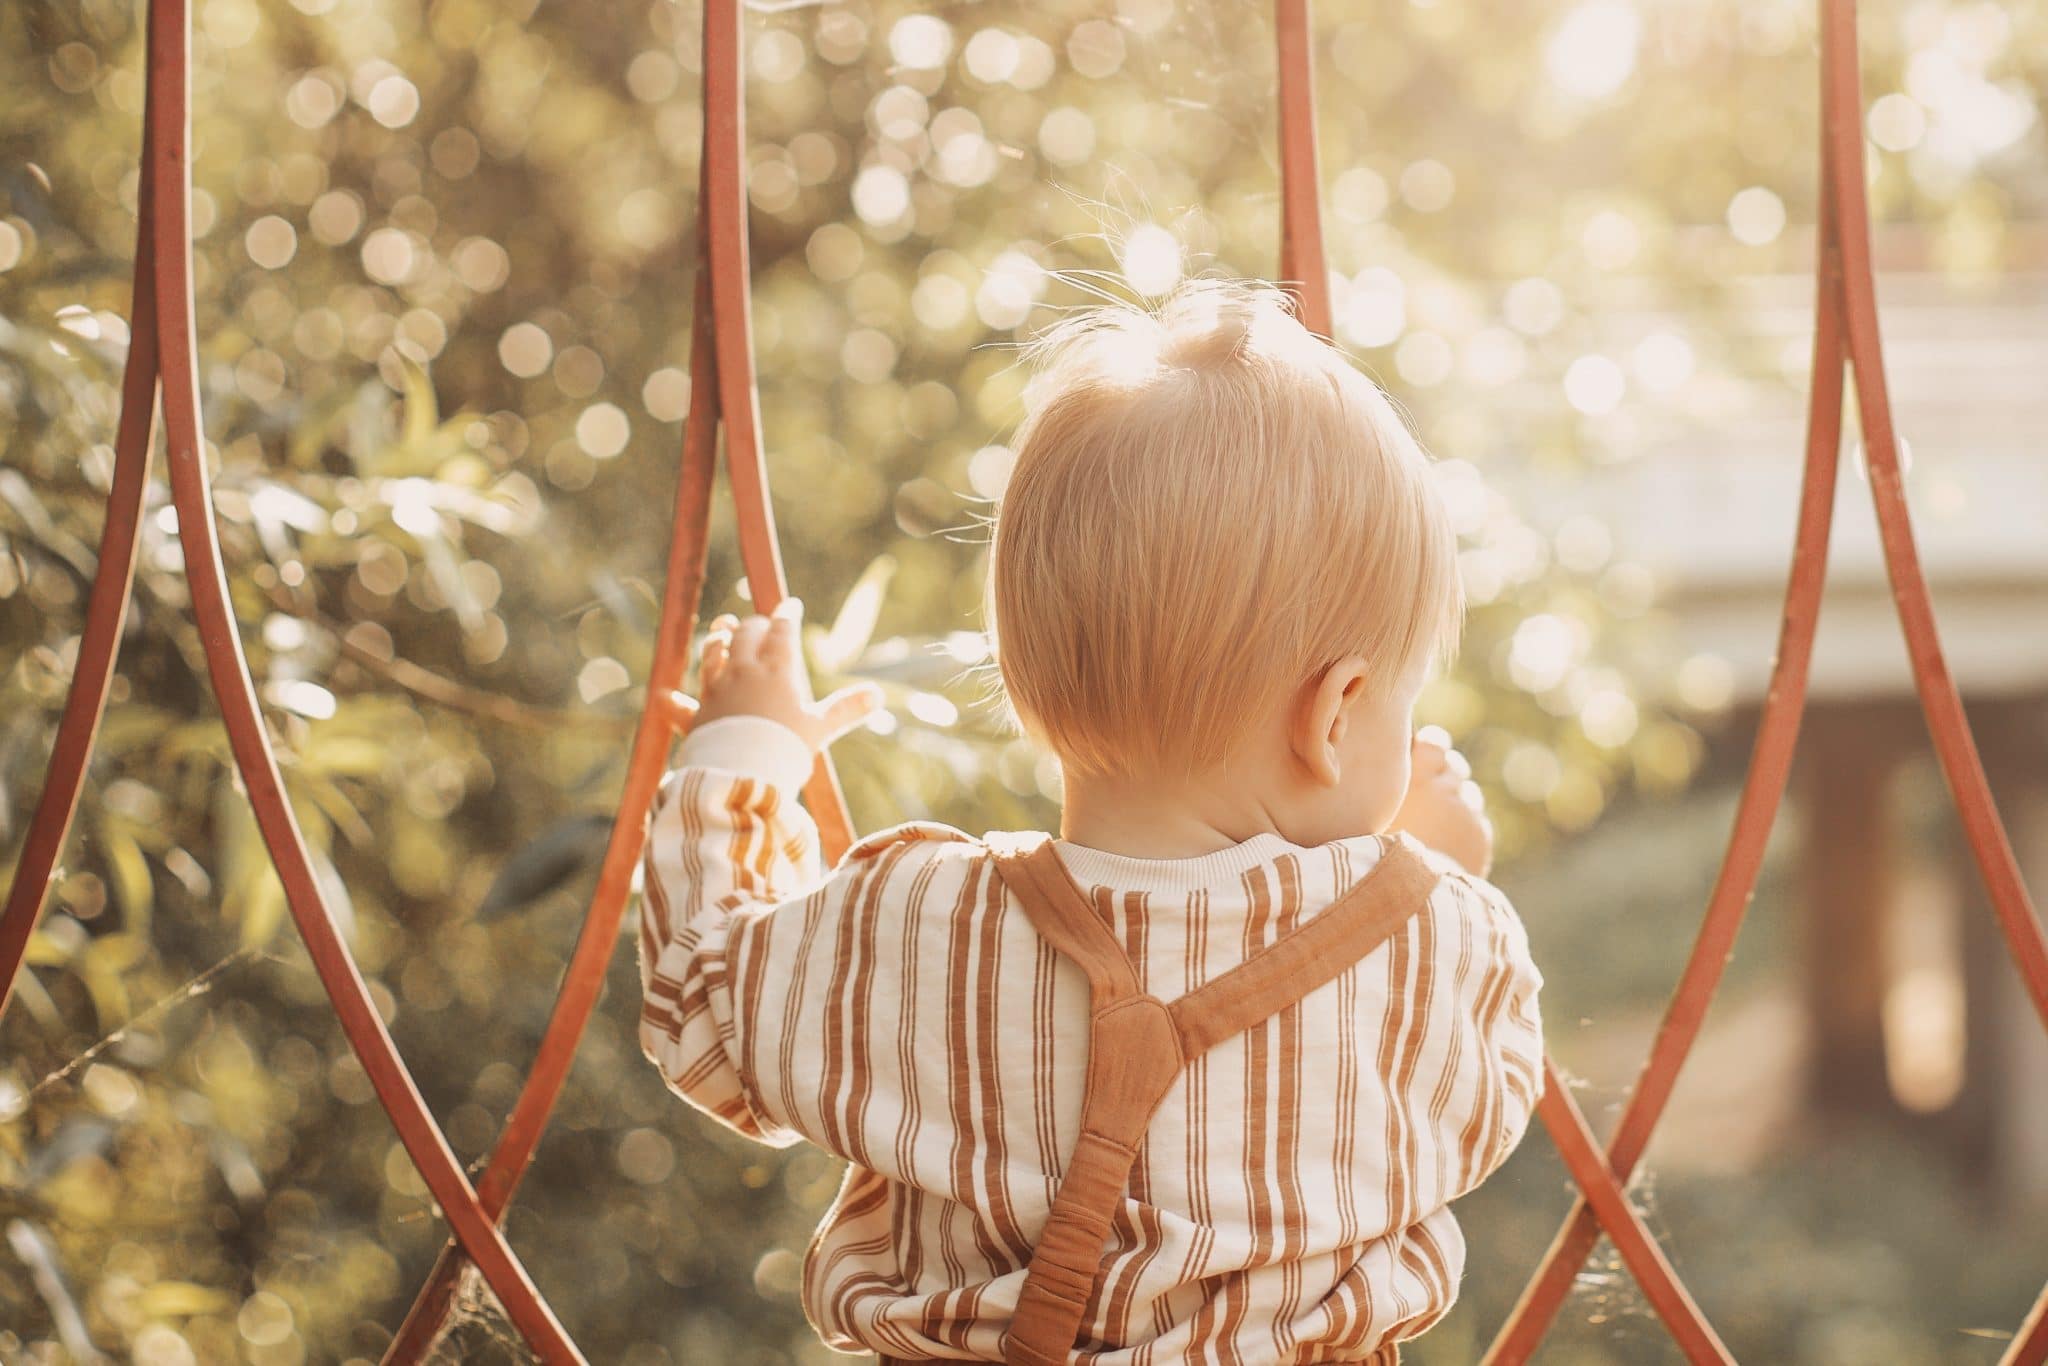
(1289, 1197)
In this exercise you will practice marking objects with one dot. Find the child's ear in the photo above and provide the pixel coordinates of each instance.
(1321, 716)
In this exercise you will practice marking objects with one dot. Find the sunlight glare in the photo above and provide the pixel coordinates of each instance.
(1151, 260)
(1593, 52)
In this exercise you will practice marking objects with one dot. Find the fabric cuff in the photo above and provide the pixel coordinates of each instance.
(751, 746)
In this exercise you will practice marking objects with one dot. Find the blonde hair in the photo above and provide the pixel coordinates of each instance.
(1209, 507)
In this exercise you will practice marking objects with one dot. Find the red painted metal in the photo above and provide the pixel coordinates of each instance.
(1304, 269)
(724, 213)
(722, 393)
(1942, 705)
(1639, 1251)
(106, 609)
(1939, 701)
(1763, 790)
(584, 980)
(2030, 1346)
(1845, 332)
(162, 358)
(170, 174)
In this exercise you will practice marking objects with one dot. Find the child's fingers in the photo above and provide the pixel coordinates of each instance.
(1426, 759)
(747, 638)
(719, 632)
(678, 709)
(1470, 794)
(847, 708)
(717, 648)
(1458, 764)
(779, 642)
(1435, 736)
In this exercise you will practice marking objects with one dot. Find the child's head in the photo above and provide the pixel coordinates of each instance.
(1214, 520)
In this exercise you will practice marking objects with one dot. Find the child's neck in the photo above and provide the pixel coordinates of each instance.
(1161, 818)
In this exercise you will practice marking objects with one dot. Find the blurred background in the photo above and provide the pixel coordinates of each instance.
(444, 277)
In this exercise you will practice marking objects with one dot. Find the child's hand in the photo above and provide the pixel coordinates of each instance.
(756, 668)
(1444, 808)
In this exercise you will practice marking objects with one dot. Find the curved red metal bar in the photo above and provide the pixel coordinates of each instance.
(106, 610)
(1756, 812)
(1954, 744)
(584, 981)
(1304, 269)
(1639, 1251)
(163, 346)
(1845, 332)
(169, 174)
(722, 392)
(2030, 1346)
(724, 212)
(1943, 706)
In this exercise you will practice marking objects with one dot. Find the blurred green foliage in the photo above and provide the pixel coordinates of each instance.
(443, 282)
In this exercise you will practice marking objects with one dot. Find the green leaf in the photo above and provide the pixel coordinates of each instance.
(117, 952)
(133, 886)
(854, 627)
(109, 990)
(46, 951)
(182, 1299)
(195, 738)
(422, 409)
(260, 907)
(133, 725)
(335, 805)
(352, 756)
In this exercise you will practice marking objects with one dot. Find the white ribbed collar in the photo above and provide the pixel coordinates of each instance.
(1221, 869)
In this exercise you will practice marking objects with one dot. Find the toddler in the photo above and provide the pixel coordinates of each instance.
(1198, 1080)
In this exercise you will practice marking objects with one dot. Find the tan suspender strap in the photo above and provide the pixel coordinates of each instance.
(1137, 1046)
(1060, 912)
(1314, 953)
(1133, 1058)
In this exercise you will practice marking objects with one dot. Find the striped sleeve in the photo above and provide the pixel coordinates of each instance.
(728, 848)
(1499, 1009)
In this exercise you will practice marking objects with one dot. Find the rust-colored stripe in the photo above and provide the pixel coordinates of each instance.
(1447, 1084)
(1287, 1138)
(988, 997)
(968, 921)
(816, 907)
(1349, 1047)
(1194, 971)
(846, 1080)
(1480, 1140)
(912, 1120)
(1423, 994)
(1234, 1294)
